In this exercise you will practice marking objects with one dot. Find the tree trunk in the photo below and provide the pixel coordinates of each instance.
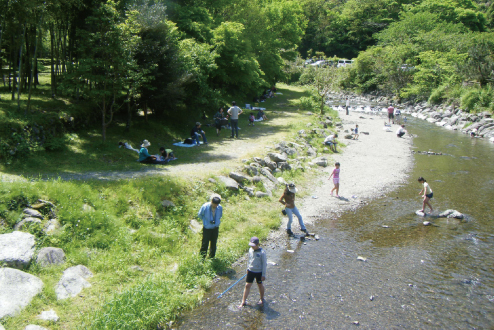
(35, 60)
(129, 112)
(19, 84)
(103, 124)
(52, 63)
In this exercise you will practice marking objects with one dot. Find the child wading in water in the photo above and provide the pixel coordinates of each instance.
(256, 269)
(336, 179)
(288, 199)
(427, 194)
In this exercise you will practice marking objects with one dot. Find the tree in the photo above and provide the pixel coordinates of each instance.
(106, 59)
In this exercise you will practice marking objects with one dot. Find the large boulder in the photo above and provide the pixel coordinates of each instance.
(229, 183)
(49, 256)
(72, 282)
(166, 203)
(260, 194)
(277, 157)
(17, 289)
(249, 191)
(239, 177)
(17, 249)
(311, 152)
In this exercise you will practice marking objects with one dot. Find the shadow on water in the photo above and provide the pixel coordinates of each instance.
(379, 266)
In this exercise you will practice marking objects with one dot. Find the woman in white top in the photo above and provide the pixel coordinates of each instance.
(426, 193)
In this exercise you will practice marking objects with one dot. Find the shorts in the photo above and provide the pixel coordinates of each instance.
(336, 180)
(252, 275)
(330, 143)
(429, 195)
(391, 116)
(218, 126)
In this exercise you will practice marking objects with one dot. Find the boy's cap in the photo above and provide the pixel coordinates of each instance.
(254, 241)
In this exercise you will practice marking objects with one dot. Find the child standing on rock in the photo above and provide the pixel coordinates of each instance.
(336, 179)
(427, 194)
(256, 269)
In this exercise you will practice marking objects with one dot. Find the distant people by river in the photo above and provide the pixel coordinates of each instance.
(391, 116)
(256, 269)
(401, 131)
(336, 179)
(426, 193)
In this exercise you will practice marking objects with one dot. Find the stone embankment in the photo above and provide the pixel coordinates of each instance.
(476, 124)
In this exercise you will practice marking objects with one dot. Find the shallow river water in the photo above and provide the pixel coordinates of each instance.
(413, 277)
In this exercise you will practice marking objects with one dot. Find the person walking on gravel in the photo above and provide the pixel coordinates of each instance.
(288, 199)
(336, 179)
(210, 214)
(256, 269)
(391, 116)
(234, 112)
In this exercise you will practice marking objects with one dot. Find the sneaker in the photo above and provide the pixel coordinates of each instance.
(289, 232)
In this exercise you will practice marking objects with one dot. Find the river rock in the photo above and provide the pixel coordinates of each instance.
(284, 166)
(229, 183)
(256, 179)
(260, 194)
(50, 315)
(87, 208)
(32, 213)
(249, 191)
(265, 171)
(252, 170)
(212, 180)
(195, 226)
(269, 163)
(281, 180)
(165, 203)
(49, 256)
(51, 226)
(277, 157)
(34, 327)
(239, 177)
(451, 214)
(17, 249)
(17, 289)
(73, 281)
(259, 160)
(321, 161)
(26, 223)
(311, 152)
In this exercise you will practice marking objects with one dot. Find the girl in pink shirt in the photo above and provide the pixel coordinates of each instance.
(336, 179)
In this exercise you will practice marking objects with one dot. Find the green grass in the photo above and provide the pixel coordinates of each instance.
(144, 257)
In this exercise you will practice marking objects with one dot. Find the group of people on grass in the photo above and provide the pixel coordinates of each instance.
(163, 157)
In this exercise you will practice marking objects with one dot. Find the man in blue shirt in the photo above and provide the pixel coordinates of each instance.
(210, 214)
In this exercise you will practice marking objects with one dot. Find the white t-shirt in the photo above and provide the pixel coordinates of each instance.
(347, 103)
(427, 188)
(330, 138)
(234, 112)
(400, 130)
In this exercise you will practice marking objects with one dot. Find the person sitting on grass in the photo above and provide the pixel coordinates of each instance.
(145, 157)
(198, 132)
(127, 146)
(165, 155)
(330, 140)
(261, 115)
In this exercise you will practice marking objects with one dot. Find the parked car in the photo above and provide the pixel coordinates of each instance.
(343, 63)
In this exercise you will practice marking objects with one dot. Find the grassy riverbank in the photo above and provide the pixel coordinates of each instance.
(145, 257)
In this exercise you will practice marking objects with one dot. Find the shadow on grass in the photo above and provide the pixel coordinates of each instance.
(85, 156)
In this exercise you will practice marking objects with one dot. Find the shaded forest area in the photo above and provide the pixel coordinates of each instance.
(181, 60)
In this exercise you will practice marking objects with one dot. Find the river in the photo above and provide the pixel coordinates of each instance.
(411, 276)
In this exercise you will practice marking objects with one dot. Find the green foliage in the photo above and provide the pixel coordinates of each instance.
(478, 99)
(144, 306)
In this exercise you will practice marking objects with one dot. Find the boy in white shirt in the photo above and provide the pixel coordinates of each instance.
(256, 269)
